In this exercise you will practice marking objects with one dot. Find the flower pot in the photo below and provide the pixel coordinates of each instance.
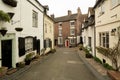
(12, 3)
(3, 71)
(27, 62)
(3, 32)
(11, 15)
(19, 29)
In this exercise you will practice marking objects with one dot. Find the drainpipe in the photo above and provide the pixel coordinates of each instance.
(94, 41)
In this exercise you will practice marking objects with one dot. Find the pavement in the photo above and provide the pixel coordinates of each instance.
(65, 64)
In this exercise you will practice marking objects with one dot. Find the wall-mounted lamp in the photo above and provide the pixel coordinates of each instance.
(113, 32)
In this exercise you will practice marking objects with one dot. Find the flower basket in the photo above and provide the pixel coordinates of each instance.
(18, 29)
(3, 32)
(12, 3)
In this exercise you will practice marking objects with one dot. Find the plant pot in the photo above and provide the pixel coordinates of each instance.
(3, 71)
(3, 32)
(11, 14)
(19, 29)
(27, 62)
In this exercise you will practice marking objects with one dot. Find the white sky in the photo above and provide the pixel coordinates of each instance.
(61, 7)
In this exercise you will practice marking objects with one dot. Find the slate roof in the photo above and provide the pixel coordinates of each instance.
(65, 18)
(98, 2)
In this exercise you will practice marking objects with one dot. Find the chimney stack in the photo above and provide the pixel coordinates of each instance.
(69, 12)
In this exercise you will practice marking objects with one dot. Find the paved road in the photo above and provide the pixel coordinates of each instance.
(65, 64)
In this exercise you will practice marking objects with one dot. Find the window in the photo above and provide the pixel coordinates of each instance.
(45, 28)
(104, 39)
(72, 23)
(101, 10)
(50, 29)
(60, 32)
(115, 3)
(60, 23)
(72, 31)
(60, 40)
(35, 19)
(89, 41)
(28, 44)
(72, 41)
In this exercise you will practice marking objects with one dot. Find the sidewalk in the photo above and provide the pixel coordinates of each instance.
(17, 74)
(97, 69)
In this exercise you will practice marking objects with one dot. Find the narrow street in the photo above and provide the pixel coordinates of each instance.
(65, 64)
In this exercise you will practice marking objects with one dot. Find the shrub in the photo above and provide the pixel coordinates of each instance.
(88, 55)
(97, 60)
(107, 66)
(20, 64)
(80, 47)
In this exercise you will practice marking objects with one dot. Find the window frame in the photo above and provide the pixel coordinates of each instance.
(34, 19)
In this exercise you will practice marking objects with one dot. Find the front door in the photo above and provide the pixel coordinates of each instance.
(67, 43)
(7, 53)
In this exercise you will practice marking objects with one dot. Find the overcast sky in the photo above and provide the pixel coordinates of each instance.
(61, 7)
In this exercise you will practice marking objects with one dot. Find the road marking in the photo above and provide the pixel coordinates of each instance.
(74, 62)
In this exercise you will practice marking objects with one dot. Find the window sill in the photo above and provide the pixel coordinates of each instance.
(115, 6)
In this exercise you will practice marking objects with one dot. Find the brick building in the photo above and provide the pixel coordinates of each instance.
(67, 29)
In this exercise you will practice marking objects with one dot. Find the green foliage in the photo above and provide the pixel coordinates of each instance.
(29, 56)
(4, 16)
(86, 50)
(88, 55)
(97, 60)
(81, 47)
(107, 66)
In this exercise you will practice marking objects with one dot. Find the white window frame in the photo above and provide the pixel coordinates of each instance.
(60, 32)
(72, 31)
(60, 40)
(72, 41)
(28, 44)
(34, 19)
(104, 39)
(71, 24)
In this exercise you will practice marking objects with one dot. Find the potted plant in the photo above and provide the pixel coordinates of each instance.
(28, 58)
(3, 31)
(4, 17)
(19, 29)
(12, 3)
(3, 71)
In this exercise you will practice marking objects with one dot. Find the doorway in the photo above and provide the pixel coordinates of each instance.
(67, 43)
(6, 53)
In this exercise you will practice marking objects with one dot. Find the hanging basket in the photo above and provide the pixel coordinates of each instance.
(3, 32)
(12, 3)
(18, 29)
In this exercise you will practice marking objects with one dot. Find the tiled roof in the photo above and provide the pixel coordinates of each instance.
(66, 18)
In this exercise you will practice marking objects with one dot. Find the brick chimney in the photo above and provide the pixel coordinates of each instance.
(69, 12)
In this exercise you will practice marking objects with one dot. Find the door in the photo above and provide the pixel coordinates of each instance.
(7, 53)
(67, 43)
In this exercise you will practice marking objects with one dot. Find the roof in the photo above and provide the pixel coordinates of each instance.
(66, 18)
(91, 10)
(98, 2)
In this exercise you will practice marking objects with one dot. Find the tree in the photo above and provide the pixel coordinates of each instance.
(112, 53)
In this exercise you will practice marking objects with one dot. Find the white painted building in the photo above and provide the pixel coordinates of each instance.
(88, 32)
(48, 32)
(28, 14)
(107, 16)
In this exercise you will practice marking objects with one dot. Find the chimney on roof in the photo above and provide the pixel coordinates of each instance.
(52, 16)
(69, 12)
(79, 10)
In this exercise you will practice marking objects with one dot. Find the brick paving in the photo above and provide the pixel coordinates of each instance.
(97, 66)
